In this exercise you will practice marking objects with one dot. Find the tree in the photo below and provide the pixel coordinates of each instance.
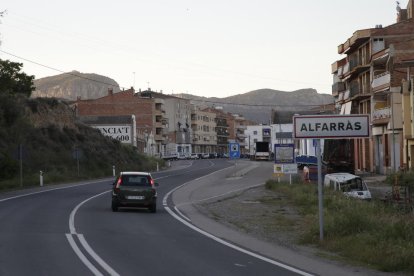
(12, 81)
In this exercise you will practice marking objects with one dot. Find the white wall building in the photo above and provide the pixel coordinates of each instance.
(278, 134)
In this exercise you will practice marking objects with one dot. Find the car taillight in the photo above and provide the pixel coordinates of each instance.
(152, 182)
(118, 183)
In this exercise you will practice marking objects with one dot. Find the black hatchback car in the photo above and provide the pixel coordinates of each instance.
(134, 189)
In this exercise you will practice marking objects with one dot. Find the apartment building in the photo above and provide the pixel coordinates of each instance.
(203, 125)
(368, 81)
(148, 113)
(177, 119)
(240, 126)
(222, 129)
(408, 115)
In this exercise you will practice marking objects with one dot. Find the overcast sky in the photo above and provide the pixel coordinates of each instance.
(206, 48)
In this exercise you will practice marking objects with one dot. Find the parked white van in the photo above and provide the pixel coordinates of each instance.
(351, 185)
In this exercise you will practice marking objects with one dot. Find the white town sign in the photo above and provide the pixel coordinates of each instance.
(331, 126)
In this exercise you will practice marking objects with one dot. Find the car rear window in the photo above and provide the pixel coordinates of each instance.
(136, 180)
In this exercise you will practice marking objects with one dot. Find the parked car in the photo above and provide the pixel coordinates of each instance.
(182, 156)
(194, 156)
(170, 156)
(351, 185)
(134, 189)
(205, 156)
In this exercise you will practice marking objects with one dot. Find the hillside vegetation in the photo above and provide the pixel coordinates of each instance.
(48, 138)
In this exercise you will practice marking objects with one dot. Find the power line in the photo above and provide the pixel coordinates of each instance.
(58, 70)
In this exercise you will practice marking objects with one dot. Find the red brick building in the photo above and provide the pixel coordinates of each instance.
(148, 114)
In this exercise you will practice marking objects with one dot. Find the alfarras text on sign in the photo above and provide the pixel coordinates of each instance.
(331, 126)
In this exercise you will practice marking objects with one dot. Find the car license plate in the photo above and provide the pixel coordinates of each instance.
(136, 197)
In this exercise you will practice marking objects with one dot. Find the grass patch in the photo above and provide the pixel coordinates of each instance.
(370, 233)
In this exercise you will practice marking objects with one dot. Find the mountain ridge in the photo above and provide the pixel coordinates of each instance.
(268, 100)
(257, 105)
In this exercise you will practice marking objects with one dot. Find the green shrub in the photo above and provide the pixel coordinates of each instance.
(367, 232)
(8, 167)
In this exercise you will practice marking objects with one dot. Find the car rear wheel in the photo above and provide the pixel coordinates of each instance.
(114, 207)
(153, 208)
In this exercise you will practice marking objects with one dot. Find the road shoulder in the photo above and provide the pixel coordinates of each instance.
(205, 202)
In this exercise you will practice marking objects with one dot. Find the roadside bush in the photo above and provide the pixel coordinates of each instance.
(10, 110)
(8, 167)
(370, 233)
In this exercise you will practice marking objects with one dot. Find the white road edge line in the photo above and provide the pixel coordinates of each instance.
(181, 214)
(53, 189)
(83, 242)
(96, 257)
(295, 270)
(82, 257)
(195, 228)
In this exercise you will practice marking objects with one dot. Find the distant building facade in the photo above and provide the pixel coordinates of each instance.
(178, 122)
(203, 125)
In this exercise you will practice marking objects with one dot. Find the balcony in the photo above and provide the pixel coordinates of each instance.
(356, 66)
(381, 116)
(381, 82)
(159, 137)
(241, 135)
(344, 70)
(337, 66)
(358, 38)
(380, 57)
(338, 87)
(241, 127)
(159, 111)
(159, 125)
(359, 92)
(159, 106)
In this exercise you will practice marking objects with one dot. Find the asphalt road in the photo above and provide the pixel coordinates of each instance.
(71, 230)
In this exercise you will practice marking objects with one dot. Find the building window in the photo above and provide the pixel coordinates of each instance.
(255, 132)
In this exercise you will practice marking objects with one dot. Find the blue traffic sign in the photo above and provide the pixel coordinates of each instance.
(234, 150)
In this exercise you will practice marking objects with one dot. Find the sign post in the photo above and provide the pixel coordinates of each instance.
(331, 127)
(234, 152)
(320, 188)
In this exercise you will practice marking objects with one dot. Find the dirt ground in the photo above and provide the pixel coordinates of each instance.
(265, 215)
(253, 211)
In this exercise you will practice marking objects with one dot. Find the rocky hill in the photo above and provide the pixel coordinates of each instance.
(74, 84)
